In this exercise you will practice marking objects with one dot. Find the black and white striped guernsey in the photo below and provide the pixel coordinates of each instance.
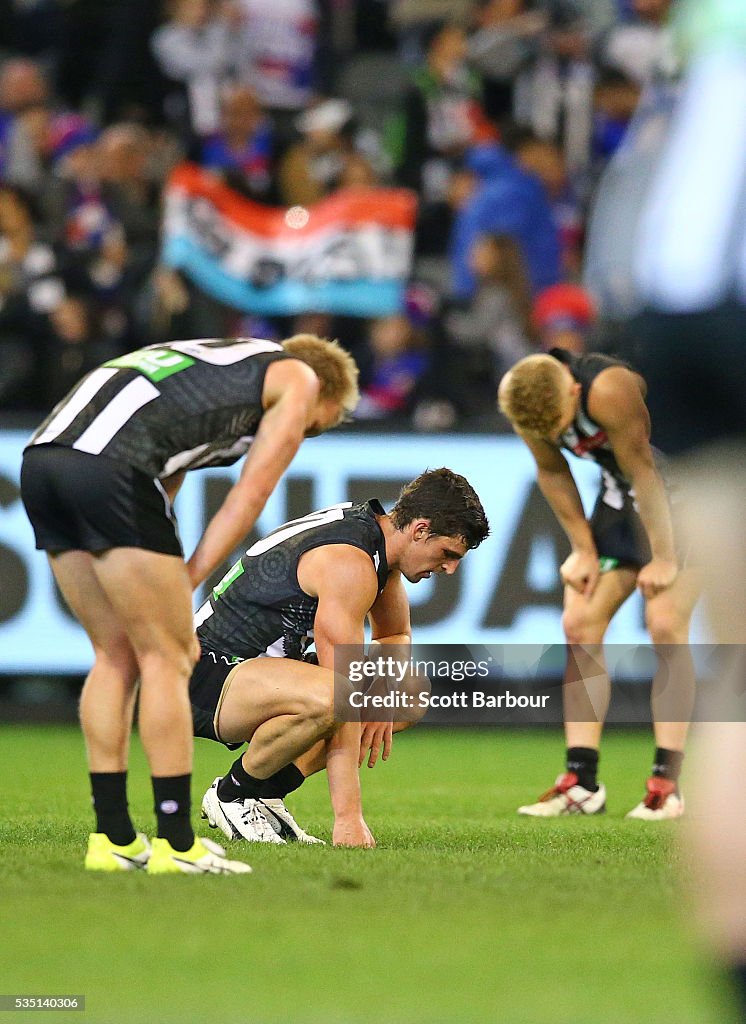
(584, 437)
(259, 608)
(587, 439)
(165, 408)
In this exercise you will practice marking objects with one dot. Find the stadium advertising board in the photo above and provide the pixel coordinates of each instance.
(506, 592)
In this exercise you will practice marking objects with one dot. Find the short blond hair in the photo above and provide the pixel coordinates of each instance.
(334, 366)
(530, 395)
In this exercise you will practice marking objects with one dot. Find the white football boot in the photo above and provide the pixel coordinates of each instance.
(238, 819)
(284, 823)
(567, 797)
(662, 801)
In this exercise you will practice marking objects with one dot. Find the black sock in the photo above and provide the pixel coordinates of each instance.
(583, 762)
(109, 791)
(239, 785)
(283, 782)
(173, 804)
(667, 764)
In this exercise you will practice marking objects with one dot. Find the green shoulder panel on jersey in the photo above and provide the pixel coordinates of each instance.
(154, 363)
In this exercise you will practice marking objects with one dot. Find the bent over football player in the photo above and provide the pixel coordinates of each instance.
(98, 480)
(320, 577)
(594, 407)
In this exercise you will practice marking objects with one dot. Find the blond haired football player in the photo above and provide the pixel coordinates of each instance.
(594, 407)
(98, 480)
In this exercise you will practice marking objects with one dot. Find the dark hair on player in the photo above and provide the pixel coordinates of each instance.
(450, 503)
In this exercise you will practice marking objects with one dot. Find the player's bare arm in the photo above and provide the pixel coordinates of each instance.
(616, 403)
(344, 580)
(290, 395)
(390, 624)
(556, 482)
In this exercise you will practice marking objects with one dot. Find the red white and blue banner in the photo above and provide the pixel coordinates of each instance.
(348, 254)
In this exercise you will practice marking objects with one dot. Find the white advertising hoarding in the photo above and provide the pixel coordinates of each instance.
(506, 592)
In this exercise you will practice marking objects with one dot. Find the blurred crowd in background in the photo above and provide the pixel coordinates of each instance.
(500, 114)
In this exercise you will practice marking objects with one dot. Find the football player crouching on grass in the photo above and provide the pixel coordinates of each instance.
(318, 576)
(594, 407)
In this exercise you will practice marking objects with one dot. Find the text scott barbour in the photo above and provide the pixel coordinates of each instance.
(425, 699)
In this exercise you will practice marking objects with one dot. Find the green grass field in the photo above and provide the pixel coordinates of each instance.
(465, 913)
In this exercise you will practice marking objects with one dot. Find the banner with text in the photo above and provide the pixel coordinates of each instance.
(349, 254)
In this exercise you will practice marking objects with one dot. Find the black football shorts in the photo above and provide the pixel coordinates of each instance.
(207, 688)
(82, 502)
(620, 537)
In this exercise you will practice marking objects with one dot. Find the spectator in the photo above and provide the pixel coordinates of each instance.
(615, 101)
(494, 331)
(131, 194)
(171, 307)
(75, 341)
(556, 96)
(31, 286)
(642, 47)
(325, 157)
(242, 151)
(441, 119)
(75, 204)
(358, 172)
(27, 156)
(112, 280)
(503, 199)
(412, 22)
(22, 84)
(546, 160)
(196, 49)
(104, 211)
(506, 39)
(399, 360)
(279, 54)
(23, 88)
(563, 316)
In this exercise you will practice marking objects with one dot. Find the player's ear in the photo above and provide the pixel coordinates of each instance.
(420, 529)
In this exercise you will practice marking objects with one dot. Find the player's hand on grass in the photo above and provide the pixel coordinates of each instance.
(373, 737)
(581, 572)
(656, 576)
(352, 832)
